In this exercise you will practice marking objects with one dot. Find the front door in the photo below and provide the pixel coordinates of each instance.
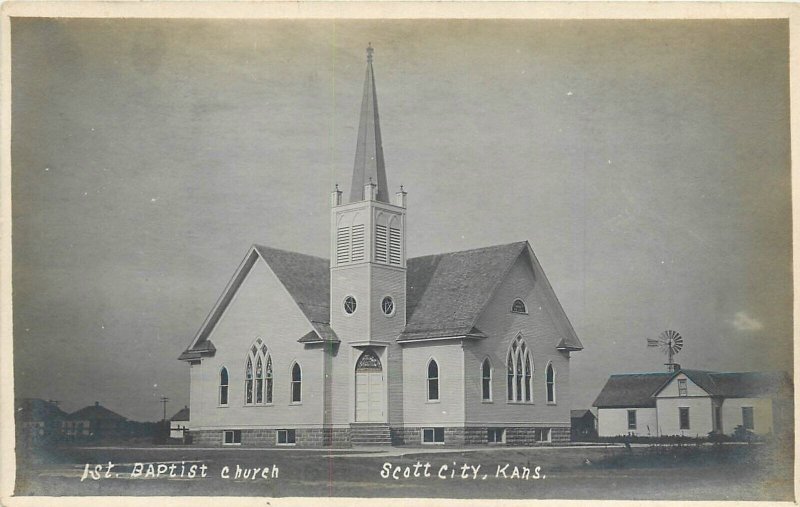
(369, 388)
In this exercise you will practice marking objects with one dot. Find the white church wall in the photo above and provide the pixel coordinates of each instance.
(541, 336)
(613, 422)
(449, 409)
(262, 308)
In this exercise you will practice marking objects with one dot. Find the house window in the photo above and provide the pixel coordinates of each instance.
(349, 305)
(223, 386)
(747, 418)
(286, 437)
(387, 306)
(519, 365)
(297, 379)
(518, 306)
(683, 413)
(433, 380)
(432, 435)
(631, 419)
(496, 435)
(232, 437)
(258, 379)
(551, 384)
(682, 391)
(486, 380)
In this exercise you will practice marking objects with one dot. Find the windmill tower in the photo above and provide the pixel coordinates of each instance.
(670, 342)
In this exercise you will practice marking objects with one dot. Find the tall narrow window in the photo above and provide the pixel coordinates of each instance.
(486, 380)
(433, 380)
(551, 384)
(259, 381)
(223, 386)
(631, 419)
(248, 382)
(747, 418)
(520, 372)
(297, 379)
(268, 379)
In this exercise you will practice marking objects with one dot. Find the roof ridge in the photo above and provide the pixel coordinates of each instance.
(471, 249)
(283, 250)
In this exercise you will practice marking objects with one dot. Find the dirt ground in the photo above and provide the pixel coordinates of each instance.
(730, 472)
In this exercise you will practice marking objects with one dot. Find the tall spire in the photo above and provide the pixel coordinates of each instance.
(369, 164)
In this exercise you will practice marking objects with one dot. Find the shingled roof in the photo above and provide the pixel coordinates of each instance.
(95, 412)
(181, 415)
(631, 390)
(640, 389)
(35, 409)
(445, 293)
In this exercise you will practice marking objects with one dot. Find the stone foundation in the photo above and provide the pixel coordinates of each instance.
(340, 437)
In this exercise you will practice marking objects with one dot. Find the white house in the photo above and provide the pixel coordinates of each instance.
(370, 346)
(179, 423)
(694, 403)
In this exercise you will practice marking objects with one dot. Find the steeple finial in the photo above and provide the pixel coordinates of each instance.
(369, 164)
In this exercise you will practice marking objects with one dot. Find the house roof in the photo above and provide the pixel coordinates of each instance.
(95, 412)
(577, 414)
(35, 409)
(640, 389)
(446, 293)
(631, 390)
(181, 415)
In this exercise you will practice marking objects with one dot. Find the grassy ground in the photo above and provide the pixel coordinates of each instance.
(729, 472)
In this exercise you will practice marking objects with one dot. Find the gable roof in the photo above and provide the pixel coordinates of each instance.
(95, 412)
(36, 409)
(736, 384)
(640, 389)
(181, 415)
(580, 413)
(446, 293)
(631, 390)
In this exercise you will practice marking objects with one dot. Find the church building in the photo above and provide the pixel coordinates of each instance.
(370, 347)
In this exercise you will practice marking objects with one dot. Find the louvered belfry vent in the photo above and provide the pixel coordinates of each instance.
(342, 245)
(357, 241)
(380, 243)
(394, 246)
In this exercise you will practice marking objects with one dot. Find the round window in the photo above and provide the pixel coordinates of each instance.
(349, 305)
(387, 305)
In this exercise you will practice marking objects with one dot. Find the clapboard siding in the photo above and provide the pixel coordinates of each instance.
(262, 308)
(418, 411)
(541, 335)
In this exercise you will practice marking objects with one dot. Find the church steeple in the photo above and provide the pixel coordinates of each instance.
(369, 164)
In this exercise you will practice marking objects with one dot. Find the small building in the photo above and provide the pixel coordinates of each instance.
(37, 421)
(93, 422)
(178, 424)
(583, 425)
(694, 403)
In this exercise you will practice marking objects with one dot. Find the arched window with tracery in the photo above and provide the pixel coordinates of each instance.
(519, 365)
(223, 386)
(258, 375)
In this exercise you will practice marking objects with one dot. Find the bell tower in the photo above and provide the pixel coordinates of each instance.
(368, 250)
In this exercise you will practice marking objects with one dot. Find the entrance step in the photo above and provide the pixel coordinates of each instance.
(370, 434)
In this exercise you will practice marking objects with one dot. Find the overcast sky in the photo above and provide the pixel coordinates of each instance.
(647, 162)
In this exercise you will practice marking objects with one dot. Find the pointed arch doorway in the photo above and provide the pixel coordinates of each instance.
(369, 388)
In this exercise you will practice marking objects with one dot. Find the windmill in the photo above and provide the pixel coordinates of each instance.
(670, 342)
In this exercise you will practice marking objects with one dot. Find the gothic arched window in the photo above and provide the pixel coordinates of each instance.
(258, 375)
(433, 380)
(486, 380)
(519, 306)
(551, 384)
(223, 386)
(519, 364)
(297, 383)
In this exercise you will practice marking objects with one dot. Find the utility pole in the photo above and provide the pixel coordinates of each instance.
(164, 401)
